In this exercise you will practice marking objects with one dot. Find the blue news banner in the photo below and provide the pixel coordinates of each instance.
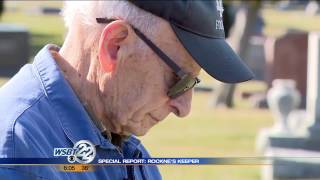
(137, 161)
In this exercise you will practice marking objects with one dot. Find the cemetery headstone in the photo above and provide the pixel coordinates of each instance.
(14, 48)
(304, 141)
(286, 58)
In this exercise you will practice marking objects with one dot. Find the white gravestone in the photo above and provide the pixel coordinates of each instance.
(313, 85)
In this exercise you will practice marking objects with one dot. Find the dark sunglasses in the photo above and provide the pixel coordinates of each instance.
(185, 82)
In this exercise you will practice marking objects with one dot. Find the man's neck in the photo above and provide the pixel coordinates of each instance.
(85, 86)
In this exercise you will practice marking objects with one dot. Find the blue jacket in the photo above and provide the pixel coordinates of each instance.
(39, 112)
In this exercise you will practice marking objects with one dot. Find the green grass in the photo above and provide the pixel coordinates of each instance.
(278, 22)
(207, 132)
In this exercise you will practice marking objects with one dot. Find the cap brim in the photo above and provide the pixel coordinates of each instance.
(215, 56)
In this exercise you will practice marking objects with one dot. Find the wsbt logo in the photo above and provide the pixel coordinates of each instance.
(83, 152)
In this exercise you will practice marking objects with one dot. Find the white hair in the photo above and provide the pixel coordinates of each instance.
(84, 14)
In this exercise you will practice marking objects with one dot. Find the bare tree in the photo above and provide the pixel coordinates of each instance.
(241, 31)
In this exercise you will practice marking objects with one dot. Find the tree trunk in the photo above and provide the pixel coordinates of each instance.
(239, 40)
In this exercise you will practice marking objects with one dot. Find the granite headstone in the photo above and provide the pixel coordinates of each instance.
(286, 58)
(14, 48)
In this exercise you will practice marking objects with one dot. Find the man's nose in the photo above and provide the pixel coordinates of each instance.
(182, 104)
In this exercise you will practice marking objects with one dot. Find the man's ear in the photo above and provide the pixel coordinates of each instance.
(113, 36)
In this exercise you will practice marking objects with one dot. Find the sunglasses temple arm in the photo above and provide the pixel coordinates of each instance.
(163, 56)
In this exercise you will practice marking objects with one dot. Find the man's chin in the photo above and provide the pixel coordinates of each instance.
(140, 134)
(136, 132)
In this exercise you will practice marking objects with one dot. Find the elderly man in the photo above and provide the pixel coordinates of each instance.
(123, 67)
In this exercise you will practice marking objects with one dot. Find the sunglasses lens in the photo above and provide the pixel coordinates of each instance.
(183, 85)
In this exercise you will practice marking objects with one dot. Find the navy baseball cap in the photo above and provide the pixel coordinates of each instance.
(199, 27)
